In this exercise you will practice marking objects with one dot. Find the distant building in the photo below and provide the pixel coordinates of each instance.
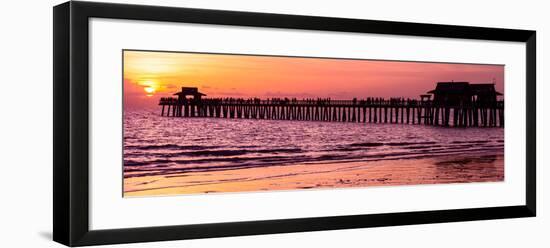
(189, 91)
(464, 93)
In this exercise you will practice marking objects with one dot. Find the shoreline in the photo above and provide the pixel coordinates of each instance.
(460, 168)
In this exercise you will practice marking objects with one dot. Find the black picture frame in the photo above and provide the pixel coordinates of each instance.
(71, 123)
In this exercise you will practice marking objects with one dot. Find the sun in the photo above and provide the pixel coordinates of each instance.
(149, 86)
(149, 90)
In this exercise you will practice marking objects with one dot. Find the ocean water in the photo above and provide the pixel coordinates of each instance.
(155, 145)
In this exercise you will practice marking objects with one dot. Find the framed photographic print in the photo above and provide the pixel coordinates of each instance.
(178, 123)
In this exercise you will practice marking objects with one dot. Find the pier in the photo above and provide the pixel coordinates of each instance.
(454, 104)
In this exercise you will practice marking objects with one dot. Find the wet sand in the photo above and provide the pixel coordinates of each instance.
(463, 168)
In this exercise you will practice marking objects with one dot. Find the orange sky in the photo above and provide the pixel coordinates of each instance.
(151, 75)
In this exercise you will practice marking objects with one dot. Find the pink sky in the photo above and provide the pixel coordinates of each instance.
(151, 75)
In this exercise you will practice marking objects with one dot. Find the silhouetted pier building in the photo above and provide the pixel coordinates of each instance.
(464, 93)
(457, 104)
(484, 93)
(182, 103)
(189, 91)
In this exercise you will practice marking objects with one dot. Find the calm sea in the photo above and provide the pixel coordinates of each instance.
(155, 145)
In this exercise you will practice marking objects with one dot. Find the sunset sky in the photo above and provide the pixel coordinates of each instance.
(151, 75)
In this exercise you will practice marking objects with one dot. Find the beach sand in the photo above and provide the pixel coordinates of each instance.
(456, 168)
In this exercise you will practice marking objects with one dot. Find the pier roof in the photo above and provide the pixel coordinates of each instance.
(484, 89)
(189, 91)
(464, 88)
(450, 87)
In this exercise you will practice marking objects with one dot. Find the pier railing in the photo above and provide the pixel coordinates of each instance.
(369, 110)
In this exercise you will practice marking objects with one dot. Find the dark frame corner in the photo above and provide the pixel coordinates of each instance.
(70, 214)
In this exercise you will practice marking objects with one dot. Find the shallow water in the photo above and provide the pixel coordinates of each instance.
(155, 145)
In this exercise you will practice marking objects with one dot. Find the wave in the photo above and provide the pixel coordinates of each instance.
(374, 144)
(169, 147)
(179, 164)
(213, 153)
(469, 141)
